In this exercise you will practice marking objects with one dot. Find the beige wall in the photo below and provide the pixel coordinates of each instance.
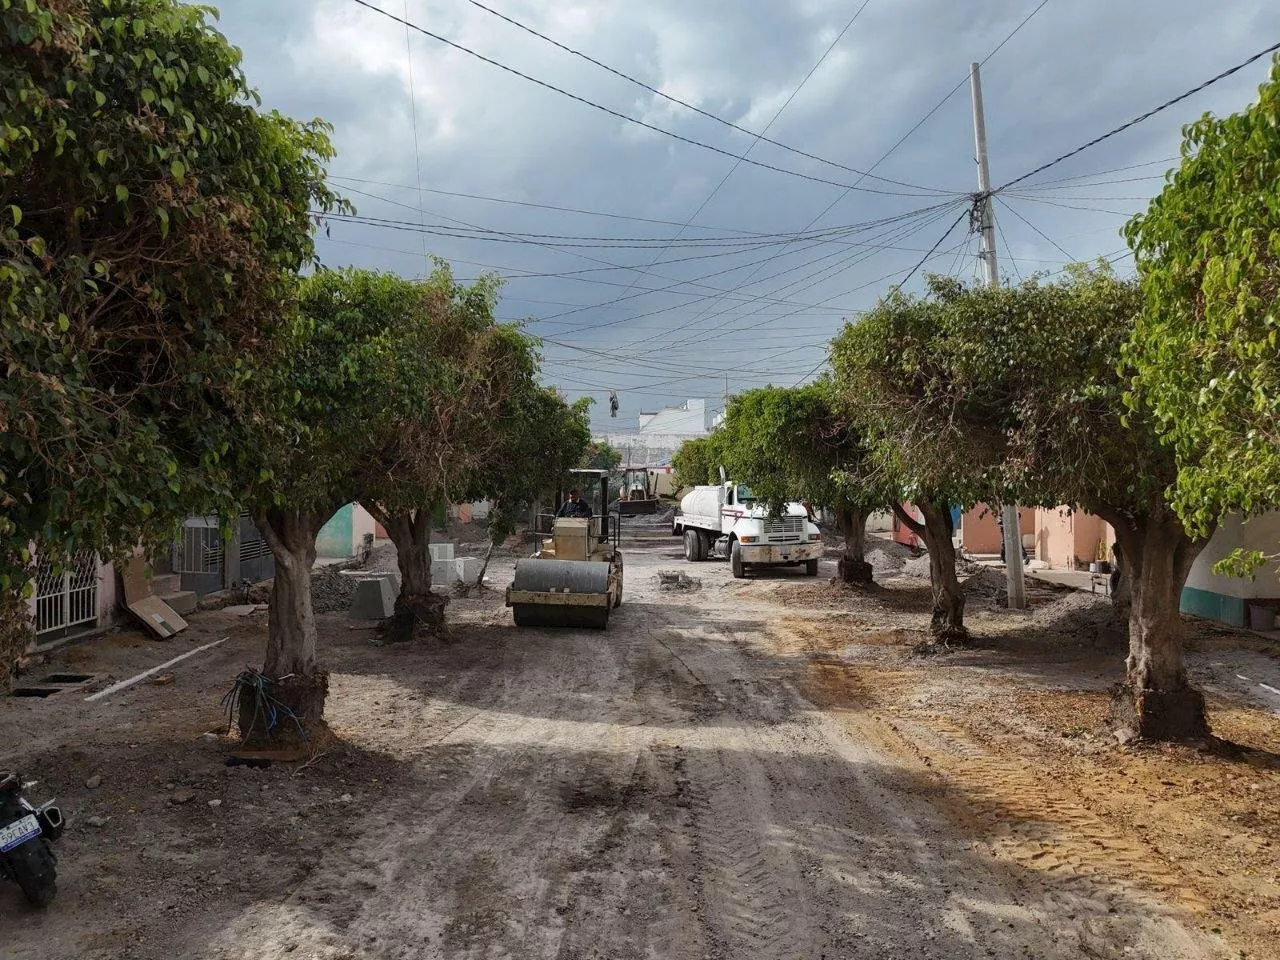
(1067, 539)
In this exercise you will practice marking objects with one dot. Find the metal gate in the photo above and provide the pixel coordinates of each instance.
(198, 557)
(67, 595)
(256, 560)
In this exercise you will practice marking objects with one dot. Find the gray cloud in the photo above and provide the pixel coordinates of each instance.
(1075, 70)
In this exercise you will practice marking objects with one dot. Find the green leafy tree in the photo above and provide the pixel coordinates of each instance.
(885, 380)
(697, 462)
(790, 444)
(600, 455)
(1029, 382)
(542, 438)
(430, 373)
(152, 221)
(1206, 347)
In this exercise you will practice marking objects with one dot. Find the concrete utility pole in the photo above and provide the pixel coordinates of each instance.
(987, 225)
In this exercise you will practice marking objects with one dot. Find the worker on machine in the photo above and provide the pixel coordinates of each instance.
(575, 507)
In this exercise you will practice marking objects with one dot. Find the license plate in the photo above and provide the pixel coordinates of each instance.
(18, 832)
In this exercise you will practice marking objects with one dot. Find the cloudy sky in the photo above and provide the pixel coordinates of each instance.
(659, 268)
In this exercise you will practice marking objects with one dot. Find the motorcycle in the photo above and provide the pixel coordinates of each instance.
(26, 835)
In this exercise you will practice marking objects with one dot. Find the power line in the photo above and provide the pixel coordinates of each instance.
(929, 216)
(901, 283)
(1042, 234)
(1009, 251)
(1102, 173)
(901, 140)
(811, 280)
(696, 109)
(925, 259)
(768, 126)
(629, 119)
(1146, 116)
(528, 203)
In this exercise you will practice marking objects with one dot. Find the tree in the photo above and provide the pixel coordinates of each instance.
(433, 375)
(886, 382)
(152, 224)
(696, 462)
(1205, 345)
(542, 439)
(791, 444)
(600, 455)
(1029, 381)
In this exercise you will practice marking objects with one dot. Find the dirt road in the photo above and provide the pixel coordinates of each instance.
(684, 786)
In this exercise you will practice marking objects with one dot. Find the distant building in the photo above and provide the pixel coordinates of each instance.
(659, 434)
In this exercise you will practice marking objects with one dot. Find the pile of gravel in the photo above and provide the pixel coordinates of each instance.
(331, 592)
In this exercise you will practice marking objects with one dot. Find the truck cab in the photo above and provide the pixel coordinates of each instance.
(728, 522)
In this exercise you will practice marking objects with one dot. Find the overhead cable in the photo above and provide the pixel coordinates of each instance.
(696, 109)
(629, 119)
(1145, 116)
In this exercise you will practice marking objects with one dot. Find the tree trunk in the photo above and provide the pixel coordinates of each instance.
(948, 596)
(1156, 702)
(418, 611)
(1121, 584)
(298, 684)
(853, 566)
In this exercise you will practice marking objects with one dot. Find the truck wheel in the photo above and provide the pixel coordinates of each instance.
(811, 568)
(736, 566)
(691, 545)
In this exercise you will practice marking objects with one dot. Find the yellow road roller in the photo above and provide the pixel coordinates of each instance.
(575, 578)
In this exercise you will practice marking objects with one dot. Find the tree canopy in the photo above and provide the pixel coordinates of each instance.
(1205, 350)
(152, 225)
(791, 444)
(697, 461)
(1020, 392)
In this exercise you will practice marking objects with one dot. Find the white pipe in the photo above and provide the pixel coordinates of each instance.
(146, 673)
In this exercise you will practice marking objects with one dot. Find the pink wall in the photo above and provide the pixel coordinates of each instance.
(979, 532)
(901, 532)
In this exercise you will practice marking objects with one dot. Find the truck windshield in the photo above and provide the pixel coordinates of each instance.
(745, 494)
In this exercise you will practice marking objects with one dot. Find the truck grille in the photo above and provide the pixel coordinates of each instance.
(785, 525)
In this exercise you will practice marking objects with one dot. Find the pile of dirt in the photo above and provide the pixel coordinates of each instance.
(331, 592)
(677, 580)
(1083, 618)
(988, 583)
(888, 557)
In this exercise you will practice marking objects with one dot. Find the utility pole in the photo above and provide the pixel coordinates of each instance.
(987, 227)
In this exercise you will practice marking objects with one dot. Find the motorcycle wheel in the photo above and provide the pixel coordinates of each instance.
(32, 865)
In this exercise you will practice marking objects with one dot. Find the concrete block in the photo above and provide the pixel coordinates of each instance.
(444, 573)
(441, 551)
(373, 600)
(468, 569)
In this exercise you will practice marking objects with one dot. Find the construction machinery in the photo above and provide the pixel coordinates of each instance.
(575, 578)
(637, 498)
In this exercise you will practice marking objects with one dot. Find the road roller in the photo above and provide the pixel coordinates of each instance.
(575, 578)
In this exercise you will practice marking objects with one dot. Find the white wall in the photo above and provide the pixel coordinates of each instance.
(689, 419)
(362, 522)
(1258, 533)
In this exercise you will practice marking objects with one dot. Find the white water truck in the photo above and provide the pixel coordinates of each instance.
(725, 521)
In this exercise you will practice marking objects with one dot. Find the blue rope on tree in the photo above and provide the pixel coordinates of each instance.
(256, 684)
